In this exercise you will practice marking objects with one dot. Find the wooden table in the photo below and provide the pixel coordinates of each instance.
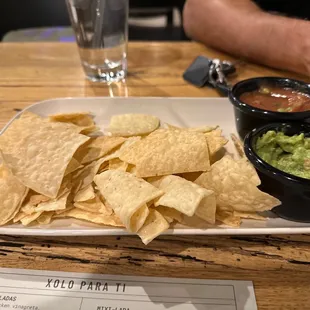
(278, 265)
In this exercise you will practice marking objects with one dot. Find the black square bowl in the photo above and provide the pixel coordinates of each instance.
(292, 191)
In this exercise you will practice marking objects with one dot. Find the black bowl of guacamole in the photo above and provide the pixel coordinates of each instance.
(280, 152)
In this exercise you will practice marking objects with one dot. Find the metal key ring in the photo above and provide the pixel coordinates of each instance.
(217, 77)
(216, 74)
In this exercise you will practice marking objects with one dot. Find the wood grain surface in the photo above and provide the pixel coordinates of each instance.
(279, 266)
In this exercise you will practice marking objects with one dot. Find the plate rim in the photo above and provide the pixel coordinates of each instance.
(220, 231)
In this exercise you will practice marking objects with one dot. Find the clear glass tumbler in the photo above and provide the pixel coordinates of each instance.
(101, 30)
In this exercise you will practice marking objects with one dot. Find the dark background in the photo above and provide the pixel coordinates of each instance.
(20, 14)
(292, 8)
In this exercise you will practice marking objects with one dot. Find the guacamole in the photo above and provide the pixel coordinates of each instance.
(290, 154)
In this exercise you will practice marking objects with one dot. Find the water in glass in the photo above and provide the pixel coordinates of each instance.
(101, 30)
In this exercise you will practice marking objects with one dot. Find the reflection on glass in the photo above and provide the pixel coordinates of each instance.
(118, 89)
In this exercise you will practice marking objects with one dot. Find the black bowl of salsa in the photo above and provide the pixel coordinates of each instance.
(280, 152)
(263, 100)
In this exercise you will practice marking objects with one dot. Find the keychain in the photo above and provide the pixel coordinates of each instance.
(210, 72)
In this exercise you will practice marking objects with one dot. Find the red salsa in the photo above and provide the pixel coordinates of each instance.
(277, 99)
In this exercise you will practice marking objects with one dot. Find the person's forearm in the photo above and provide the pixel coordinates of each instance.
(241, 28)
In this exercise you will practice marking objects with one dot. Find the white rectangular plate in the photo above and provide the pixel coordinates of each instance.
(183, 112)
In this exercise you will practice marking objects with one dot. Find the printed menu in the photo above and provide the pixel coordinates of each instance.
(48, 290)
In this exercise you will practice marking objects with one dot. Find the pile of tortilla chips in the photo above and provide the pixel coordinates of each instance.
(137, 176)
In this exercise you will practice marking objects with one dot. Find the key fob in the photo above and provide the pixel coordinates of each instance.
(198, 72)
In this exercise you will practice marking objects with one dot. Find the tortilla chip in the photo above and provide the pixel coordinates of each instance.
(249, 215)
(169, 214)
(89, 130)
(207, 207)
(228, 218)
(126, 194)
(28, 219)
(82, 119)
(90, 206)
(73, 166)
(190, 176)
(238, 145)
(86, 175)
(111, 220)
(28, 208)
(103, 167)
(39, 152)
(19, 208)
(94, 205)
(45, 218)
(19, 216)
(215, 141)
(155, 181)
(139, 218)
(166, 152)
(36, 198)
(116, 153)
(66, 186)
(131, 169)
(117, 164)
(97, 147)
(181, 195)
(202, 129)
(17, 130)
(127, 125)
(194, 222)
(85, 194)
(107, 208)
(23, 126)
(53, 205)
(234, 189)
(153, 226)
(12, 194)
(60, 212)
(247, 169)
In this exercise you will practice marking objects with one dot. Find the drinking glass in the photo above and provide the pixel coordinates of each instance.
(101, 31)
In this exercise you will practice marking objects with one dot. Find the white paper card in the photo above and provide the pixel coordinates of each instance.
(48, 290)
